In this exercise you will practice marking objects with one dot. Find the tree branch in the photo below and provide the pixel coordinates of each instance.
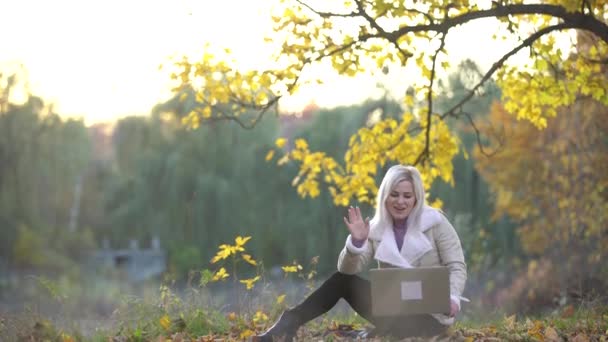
(342, 48)
(596, 61)
(326, 14)
(426, 15)
(429, 112)
(527, 42)
(370, 20)
(576, 19)
(237, 119)
(478, 136)
(381, 32)
(263, 109)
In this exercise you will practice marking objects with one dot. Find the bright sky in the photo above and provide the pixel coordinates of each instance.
(98, 59)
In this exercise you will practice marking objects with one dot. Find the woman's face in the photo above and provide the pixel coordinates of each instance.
(401, 200)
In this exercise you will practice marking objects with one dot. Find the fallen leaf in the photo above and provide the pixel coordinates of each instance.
(568, 311)
(67, 338)
(509, 322)
(535, 329)
(179, 337)
(246, 333)
(165, 322)
(551, 335)
(580, 338)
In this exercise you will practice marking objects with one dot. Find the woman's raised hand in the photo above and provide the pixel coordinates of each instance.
(359, 228)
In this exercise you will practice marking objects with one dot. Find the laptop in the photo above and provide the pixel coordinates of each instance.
(410, 291)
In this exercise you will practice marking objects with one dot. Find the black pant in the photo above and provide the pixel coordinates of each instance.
(357, 292)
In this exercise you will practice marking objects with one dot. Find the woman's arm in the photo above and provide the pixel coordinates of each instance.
(353, 259)
(356, 253)
(451, 255)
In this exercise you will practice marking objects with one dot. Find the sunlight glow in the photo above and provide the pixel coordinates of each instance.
(100, 59)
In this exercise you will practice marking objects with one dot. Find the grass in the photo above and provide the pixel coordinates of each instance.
(176, 319)
(218, 307)
(208, 312)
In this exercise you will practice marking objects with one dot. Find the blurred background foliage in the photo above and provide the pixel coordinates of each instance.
(67, 189)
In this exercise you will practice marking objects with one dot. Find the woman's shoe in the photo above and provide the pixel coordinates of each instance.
(283, 330)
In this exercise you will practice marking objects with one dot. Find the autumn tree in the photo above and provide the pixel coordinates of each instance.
(357, 36)
(553, 183)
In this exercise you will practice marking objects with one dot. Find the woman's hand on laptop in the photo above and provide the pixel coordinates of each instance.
(454, 308)
(358, 227)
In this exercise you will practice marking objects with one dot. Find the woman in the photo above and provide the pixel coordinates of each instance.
(404, 232)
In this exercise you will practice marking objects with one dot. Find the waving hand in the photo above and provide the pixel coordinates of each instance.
(359, 228)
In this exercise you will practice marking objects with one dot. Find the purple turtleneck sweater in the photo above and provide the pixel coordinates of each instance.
(399, 230)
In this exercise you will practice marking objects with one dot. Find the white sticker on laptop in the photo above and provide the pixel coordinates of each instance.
(411, 290)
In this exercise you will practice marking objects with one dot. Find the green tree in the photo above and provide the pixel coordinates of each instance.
(41, 159)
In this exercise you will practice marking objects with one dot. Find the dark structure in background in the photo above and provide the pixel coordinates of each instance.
(136, 264)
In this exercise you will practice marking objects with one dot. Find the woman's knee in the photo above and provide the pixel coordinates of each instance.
(343, 279)
(339, 276)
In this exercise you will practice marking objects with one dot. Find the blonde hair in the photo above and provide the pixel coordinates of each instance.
(394, 176)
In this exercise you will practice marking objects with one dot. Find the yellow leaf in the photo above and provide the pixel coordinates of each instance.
(220, 275)
(281, 299)
(206, 112)
(215, 259)
(241, 241)
(260, 316)
(67, 338)
(269, 155)
(301, 144)
(283, 160)
(249, 282)
(541, 64)
(249, 259)
(245, 334)
(224, 252)
(535, 329)
(165, 322)
(280, 142)
(295, 181)
(314, 191)
(291, 268)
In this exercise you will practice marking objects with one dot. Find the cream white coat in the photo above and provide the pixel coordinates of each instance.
(432, 242)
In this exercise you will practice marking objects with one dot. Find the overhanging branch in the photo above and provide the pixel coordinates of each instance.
(478, 136)
(498, 64)
(577, 19)
(429, 113)
(327, 14)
